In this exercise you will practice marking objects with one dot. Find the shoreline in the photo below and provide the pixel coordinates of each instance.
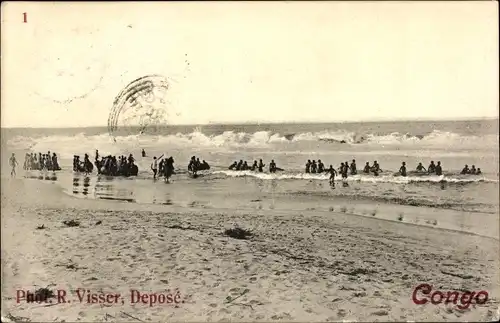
(473, 223)
(299, 265)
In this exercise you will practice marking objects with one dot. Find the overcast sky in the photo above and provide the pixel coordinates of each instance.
(251, 62)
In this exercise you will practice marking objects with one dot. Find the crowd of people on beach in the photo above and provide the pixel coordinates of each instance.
(243, 165)
(46, 161)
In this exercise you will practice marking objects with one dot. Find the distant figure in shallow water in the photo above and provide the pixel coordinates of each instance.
(233, 165)
(314, 167)
(439, 170)
(321, 166)
(143, 153)
(478, 171)
(261, 166)
(402, 169)
(333, 173)
(367, 168)
(431, 168)
(272, 166)
(375, 168)
(192, 165)
(240, 163)
(169, 169)
(465, 170)
(205, 165)
(344, 170)
(420, 168)
(254, 166)
(473, 170)
(308, 166)
(354, 171)
(154, 166)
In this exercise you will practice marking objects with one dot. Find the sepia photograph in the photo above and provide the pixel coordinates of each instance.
(243, 161)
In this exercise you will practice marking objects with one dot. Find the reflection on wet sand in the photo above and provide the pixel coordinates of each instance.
(42, 175)
(76, 185)
(104, 188)
(119, 189)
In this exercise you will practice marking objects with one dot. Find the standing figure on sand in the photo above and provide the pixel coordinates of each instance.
(13, 164)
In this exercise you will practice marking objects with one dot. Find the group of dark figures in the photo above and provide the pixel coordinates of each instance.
(43, 162)
(438, 170)
(471, 171)
(112, 166)
(125, 166)
(344, 169)
(195, 165)
(243, 165)
(84, 166)
(162, 167)
(106, 165)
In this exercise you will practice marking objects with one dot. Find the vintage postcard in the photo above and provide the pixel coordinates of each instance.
(250, 161)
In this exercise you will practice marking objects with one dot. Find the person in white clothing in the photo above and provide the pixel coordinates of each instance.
(154, 166)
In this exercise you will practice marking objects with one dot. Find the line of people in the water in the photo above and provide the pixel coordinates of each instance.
(432, 169)
(125, 166)
(317, 168)
(438, 170)
(471, 171)
(42, 162)
(256, 166)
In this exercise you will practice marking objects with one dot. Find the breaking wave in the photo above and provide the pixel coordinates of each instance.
(261, 139)
(362, 178)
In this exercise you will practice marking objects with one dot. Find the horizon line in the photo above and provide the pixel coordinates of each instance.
(275, 123)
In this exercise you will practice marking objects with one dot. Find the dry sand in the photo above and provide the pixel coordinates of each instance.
(298, 266)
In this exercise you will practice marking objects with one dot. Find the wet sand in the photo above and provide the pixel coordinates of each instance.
(302, 265)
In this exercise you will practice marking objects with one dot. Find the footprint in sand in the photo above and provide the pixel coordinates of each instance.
(380, 313)
(224, 311)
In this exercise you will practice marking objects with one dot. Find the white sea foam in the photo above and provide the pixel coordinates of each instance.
(360, 178)
(261, 139)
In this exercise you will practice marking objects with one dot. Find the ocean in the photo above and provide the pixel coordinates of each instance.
(454, 143)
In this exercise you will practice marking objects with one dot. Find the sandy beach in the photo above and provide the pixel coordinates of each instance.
(297, 266)
(250, 162)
